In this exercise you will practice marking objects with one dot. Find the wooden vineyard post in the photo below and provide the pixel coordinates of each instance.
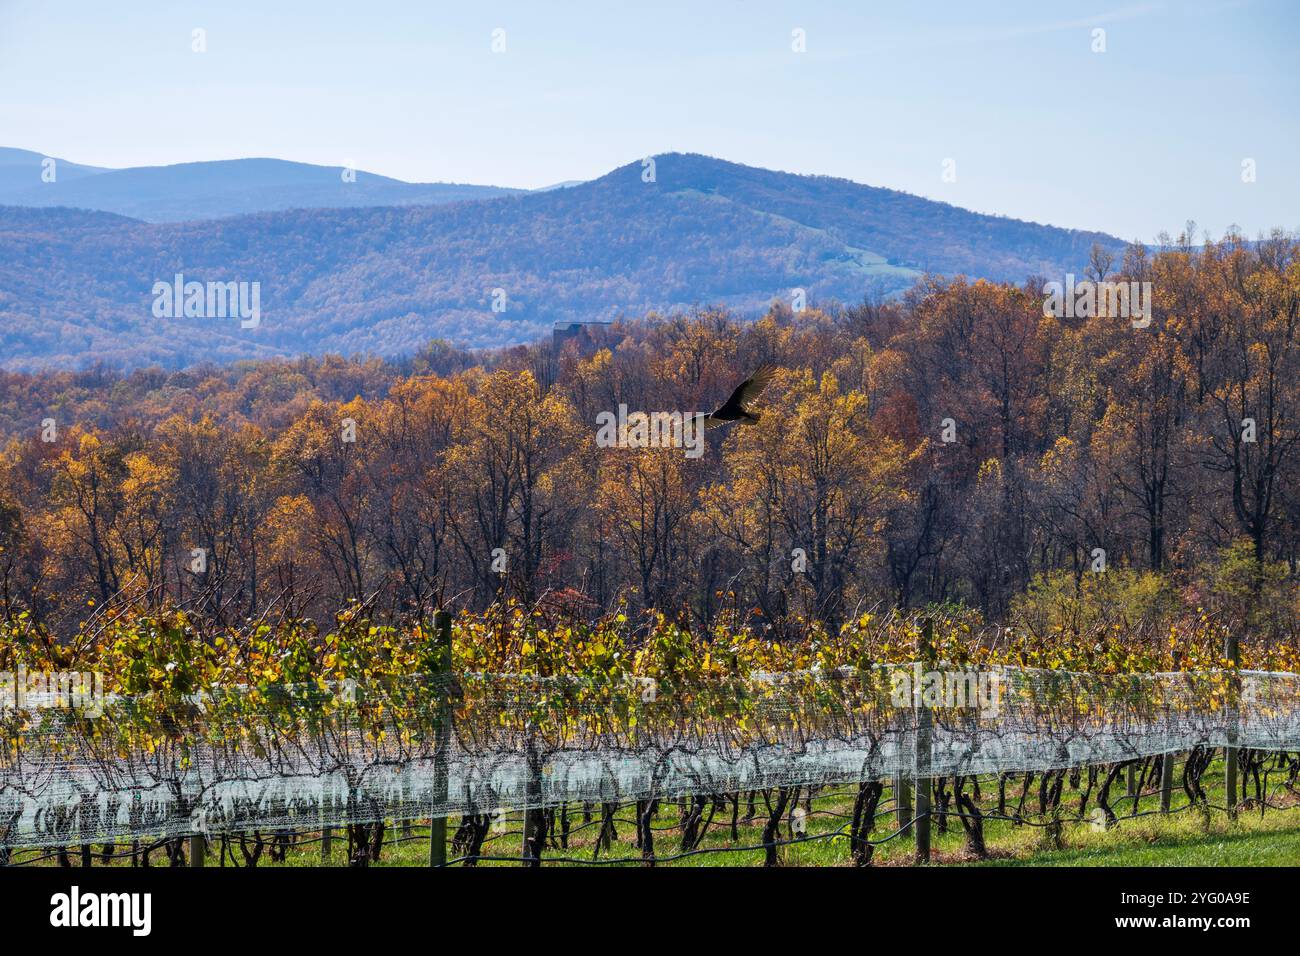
(438, 824)
(1167, 760)
(1232, 652)
(903, 801)
(197, 849)
(924, 725)
(326, 832)
(534, 814)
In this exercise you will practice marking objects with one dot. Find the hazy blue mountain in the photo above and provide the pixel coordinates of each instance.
(212, 190)
(76, 286)
(20, 170)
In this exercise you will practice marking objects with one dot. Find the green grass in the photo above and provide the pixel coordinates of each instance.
(1274, 848)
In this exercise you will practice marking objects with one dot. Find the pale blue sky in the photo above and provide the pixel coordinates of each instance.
(1134, 140)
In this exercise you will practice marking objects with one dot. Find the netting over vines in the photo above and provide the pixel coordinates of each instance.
(324, 755)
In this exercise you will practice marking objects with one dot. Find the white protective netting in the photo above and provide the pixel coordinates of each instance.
(295, 757)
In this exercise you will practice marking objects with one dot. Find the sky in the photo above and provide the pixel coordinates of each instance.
(1003, 108)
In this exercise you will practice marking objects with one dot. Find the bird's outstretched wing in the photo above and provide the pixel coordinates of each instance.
(753, 386)
(748, 390)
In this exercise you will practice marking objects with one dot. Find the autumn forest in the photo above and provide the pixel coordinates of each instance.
(952, 446)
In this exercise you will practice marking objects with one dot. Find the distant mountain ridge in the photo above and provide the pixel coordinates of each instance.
(211, 190)
(21, 169)
(75, 286)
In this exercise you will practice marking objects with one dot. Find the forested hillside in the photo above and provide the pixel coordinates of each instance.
(954, 446)
(75, 286)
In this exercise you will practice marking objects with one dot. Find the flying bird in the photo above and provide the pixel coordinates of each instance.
(736, 407)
